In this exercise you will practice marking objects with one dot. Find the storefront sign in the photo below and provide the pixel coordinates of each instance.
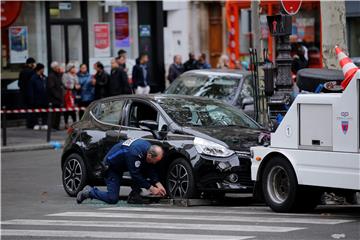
(9, 12)
(144, 30)
(18, 39)
(121, 23)
(102, 39)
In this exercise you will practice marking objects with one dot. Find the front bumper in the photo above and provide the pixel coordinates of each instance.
(232, 174)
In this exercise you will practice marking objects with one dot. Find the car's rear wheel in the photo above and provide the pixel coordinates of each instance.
(74, 175)
(180, 180)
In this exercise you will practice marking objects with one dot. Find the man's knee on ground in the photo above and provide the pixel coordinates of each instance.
(113, 199)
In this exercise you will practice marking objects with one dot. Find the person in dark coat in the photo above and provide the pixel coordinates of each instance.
(118, 83)
(122, 53)
(175, 69)
(55, 92)
(191, 64)
(24, 82)
(138, 157)
(141, 75)
(38, 96)
(299, 60)
(100, 81)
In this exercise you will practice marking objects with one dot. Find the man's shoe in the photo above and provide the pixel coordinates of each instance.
(135, 198)
(83, 194)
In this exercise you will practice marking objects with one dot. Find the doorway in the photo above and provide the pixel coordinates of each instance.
(215, 32)
(67, 32)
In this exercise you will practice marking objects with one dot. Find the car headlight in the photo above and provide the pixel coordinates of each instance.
(207, 147)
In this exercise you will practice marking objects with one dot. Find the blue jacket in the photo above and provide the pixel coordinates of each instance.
(38, 91)
(131, 156)
(87, 89)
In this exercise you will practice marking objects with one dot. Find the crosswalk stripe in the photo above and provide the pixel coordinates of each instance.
(153, 225)
(114, 235)
(199, 210)
(202, 218)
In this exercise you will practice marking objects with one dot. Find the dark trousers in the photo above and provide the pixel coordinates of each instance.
(43, 116)
(112, 180)
(56, 116)
(68, 114)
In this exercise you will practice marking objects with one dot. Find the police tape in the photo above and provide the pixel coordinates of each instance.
(44, 110)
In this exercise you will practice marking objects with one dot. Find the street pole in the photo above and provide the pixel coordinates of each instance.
(262, 117)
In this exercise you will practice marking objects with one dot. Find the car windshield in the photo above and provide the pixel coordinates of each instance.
(205, 113)
(216, 87)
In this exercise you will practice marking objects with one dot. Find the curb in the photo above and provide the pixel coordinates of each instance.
(32, 147)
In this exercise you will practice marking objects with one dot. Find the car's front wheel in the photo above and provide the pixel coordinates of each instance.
(180, 181)
(74, 175)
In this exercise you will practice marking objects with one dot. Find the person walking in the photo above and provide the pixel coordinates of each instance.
(71, 83)
(87, 91)
(122, 54)
(175, 69)
(141, 75)
(138, 157)
(191, 64)
(55, 92)
(100, 81)
(38, 96)
(24, 84)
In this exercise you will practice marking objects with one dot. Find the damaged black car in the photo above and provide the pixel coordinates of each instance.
(206, 142)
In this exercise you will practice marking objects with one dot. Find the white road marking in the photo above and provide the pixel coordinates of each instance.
(114, 235)
(215, 210)
(201, 218)
(153, 225)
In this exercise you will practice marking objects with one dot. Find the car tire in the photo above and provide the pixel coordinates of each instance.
(180, 181)
(74, 174)
(280, 185)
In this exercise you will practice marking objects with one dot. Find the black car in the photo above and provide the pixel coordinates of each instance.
(206, 142)
(234, 87)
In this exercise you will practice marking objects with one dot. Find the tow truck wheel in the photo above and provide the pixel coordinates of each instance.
(280, 185)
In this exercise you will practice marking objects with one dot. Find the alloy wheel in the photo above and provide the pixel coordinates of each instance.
(72, 175)
(178, 181)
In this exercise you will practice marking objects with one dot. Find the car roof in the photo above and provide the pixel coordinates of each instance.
(218, 72)
(155, 97)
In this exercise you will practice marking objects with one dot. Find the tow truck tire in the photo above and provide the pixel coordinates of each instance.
(280, 185)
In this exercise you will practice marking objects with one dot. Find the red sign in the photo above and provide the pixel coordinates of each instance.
(102, 39)
(291, 7)
(9, 12)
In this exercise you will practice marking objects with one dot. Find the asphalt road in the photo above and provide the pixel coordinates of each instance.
(34, 205)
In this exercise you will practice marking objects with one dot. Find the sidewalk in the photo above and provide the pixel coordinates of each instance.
(23, 139)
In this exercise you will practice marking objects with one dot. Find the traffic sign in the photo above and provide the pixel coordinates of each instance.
(291, 7)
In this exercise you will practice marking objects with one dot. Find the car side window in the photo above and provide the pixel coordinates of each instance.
(109, 112)
(141, 111)
(247, 89)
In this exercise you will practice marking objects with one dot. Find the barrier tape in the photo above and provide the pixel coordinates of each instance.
(46, 110)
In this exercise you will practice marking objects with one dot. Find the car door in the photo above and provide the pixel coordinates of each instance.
(105, 115)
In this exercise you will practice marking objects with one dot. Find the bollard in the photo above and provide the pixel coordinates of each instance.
(49, 123)
(3, 123)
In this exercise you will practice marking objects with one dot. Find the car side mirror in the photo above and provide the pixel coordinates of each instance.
(114, 136)
(148, 125)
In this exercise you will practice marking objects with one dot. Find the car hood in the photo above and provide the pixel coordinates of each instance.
(236, 138)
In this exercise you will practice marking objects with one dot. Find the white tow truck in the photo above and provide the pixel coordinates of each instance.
(316, 148)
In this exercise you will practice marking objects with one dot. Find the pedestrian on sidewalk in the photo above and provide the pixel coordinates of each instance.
(38, 96)
(122, 54)
(141, 75)
(175, 69)
(87, 89)
(24, 84)
(100, 81)
(202, 63)
(223, 62)
(118, 83)
(138, 157)
(71, 84)
(55, 92)
(191, 63)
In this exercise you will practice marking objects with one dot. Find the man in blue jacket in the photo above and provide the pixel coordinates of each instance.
(136, 156)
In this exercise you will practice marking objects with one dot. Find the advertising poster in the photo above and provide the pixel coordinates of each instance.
(121, 24)
(102, 39)
(18, 39)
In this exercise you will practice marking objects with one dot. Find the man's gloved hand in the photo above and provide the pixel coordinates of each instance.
(155, 191)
